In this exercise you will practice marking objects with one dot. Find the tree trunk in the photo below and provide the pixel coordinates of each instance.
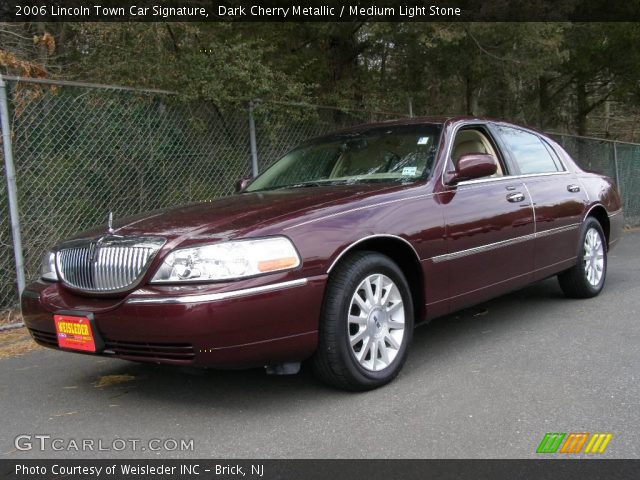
(471, 96)
(544, 102)
(582, 108)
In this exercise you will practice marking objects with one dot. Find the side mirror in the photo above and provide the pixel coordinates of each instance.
(473, 165)
(242, 183)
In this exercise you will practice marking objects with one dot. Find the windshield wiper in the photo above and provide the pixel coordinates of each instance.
(294, 185)
(326, 183)
(307, 184)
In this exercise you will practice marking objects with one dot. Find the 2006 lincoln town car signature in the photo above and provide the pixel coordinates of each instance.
(334, 253)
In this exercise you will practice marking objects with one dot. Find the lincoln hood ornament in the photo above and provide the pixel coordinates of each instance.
(110, 223)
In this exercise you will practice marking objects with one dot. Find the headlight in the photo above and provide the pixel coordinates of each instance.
(48, 267)
(228, 260)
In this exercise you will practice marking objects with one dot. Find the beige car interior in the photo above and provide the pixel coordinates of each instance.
(381, 155)
(473, 141)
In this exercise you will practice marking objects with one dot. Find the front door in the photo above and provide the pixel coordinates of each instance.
(490, 240)
(489, 227)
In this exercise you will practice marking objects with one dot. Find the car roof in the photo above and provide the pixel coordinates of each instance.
(426, 120)
(396, 122)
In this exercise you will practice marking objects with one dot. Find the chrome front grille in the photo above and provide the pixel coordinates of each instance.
(108, 264)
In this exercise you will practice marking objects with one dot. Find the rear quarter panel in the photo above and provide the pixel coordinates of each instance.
(601, 190)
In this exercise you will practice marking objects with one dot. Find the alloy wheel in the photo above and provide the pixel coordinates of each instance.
(376, 323)
(593, 257)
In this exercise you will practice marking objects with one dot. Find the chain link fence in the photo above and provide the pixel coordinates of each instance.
(279, 127)
(83, 150)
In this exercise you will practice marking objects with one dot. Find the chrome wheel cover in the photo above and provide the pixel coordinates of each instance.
(593, 257)
(376, 322)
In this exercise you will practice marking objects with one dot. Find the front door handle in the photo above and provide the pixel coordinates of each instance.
(515, 197)
(573, 188)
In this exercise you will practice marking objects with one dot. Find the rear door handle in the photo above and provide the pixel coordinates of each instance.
(573, 188)
(515, 197)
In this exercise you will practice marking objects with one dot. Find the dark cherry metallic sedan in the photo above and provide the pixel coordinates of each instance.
(334, 253)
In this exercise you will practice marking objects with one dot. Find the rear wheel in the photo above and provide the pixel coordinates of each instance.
(366, 324)
(586, 279)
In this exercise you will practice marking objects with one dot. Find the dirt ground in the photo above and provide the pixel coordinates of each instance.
(10, 316)
(16, 342)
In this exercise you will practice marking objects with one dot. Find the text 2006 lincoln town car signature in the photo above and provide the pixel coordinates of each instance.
(334, 253)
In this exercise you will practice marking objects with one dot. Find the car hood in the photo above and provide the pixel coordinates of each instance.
(237, 215)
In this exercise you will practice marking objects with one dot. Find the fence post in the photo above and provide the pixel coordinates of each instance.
(410, 107)
(12, 195)
(252, 140)
(615, 164)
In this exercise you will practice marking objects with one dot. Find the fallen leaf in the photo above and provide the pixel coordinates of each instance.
(109, 380)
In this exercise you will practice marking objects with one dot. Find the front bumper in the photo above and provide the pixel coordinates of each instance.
(219, 326)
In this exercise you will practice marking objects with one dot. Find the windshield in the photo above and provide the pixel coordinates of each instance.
(401, 154)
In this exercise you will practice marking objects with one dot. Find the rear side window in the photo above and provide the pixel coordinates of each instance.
(529, 152)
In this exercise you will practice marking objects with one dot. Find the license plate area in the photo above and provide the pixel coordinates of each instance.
(76, 331)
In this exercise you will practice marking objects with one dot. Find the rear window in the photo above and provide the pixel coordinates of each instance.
(529, 152)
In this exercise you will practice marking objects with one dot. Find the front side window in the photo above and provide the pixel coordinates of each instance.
(529, 153)
(473, 140)
(400, 154)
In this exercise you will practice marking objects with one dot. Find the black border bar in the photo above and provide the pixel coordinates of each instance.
(319, 10)
(583, 469)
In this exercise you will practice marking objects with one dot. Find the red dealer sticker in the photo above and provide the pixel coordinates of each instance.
(74, 333)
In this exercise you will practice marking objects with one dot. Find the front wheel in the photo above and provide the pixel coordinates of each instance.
(586, 278)
(366, 324)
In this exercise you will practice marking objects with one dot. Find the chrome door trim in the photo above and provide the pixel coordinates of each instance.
(503, 243)
(553, 231)
(482, 248)
(484, 180)
(510, 177)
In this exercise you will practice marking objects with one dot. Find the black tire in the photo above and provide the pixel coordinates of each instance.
(574, 282)
(334, 361)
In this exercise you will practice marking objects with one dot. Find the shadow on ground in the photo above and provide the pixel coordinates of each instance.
(432, 346)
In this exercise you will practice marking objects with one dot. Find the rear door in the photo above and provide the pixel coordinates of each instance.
(489, 230)
(557, 195)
